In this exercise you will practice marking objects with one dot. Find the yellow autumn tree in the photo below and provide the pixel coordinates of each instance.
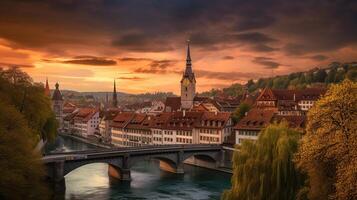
(328, 151)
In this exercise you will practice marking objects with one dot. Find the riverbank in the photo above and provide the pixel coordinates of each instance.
(87, 141)
(207, 165)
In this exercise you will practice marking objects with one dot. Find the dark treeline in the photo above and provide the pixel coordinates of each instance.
(26, 117)
(334, 73)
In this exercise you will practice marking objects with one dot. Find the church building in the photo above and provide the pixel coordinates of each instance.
(188, 97)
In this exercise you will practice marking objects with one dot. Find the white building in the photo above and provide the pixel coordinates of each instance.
(86, 121)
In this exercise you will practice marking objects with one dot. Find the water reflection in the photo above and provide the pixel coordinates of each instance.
(148, 182)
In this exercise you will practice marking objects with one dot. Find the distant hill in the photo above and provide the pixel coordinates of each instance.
(317, 77)
(123, 98)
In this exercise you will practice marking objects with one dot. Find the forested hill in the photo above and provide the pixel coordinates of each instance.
(333, 73)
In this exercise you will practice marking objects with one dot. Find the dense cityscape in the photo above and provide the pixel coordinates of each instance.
(180, 99)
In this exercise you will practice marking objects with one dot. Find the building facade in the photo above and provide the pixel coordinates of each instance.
(184, 127)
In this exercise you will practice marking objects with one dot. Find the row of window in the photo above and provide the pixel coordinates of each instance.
(184, 140)
(168, 139)
(184, 133)
(248, 133)
(209, 131)
(209, 139)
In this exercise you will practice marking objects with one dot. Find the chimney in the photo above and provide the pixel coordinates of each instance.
(246, 113)
(215, 112)
(183, 113)
(294, 97)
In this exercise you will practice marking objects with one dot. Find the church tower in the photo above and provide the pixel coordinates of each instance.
(115, 100)
(57, 105)
(188, 83)
(47, 89)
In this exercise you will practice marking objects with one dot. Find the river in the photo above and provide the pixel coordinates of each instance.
(148, 181)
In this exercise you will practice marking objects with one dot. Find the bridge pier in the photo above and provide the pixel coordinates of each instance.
(56, 178)
(120, 174)
(165, 166)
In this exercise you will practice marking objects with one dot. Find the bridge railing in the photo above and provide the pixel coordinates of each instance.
(148, 147)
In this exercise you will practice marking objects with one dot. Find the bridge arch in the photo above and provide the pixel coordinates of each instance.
(167, 162)
(67, 168)
(209, 156)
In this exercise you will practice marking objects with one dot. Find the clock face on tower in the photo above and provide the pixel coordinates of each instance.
(186, 82)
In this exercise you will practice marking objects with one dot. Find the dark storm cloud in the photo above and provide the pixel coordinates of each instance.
(16, 65)
(228, 58)
(318, 57)
(253, 38)
(132, 59)
(269, 63)
(158, 67)
(90, 60)
(263, 48)
(299, 27)
(134, 78)
(142, 42)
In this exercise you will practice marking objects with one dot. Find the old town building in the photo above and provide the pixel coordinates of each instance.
(86, 122)
(275, 106)
(184, 127)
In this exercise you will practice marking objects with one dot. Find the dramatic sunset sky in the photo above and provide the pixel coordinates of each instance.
(85, 44)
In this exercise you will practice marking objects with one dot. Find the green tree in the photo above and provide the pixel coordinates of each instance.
(22, 172)
(18, 89)
(264, 169)
(319, 76)
(328, 152)
(234, 90)
(240, 111)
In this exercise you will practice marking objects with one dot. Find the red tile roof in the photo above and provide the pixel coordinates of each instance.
(256, 119)
(296, 95)
(85, 114)
(122, 119)
(173, 102)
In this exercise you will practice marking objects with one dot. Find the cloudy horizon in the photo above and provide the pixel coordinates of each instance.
(84, 45)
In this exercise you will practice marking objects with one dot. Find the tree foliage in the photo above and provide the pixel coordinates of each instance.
(21, 168)
(25, 117)
(334, 73)
(18, 89)
(328, 152)
(264, 169)
(240, 111)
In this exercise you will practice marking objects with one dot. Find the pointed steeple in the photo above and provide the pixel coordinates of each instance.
(188, 70)
(47, 88)
(115, 100)
(188, 59)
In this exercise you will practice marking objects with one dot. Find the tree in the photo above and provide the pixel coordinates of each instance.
(21, 168)
(264, 169)
(328, 152)
(234, 90)
(319, 76)
(18, 89)
(240, 112)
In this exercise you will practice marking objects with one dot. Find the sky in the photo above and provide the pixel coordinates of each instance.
(85, 45)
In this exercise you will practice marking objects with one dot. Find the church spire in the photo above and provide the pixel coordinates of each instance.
(188, 59)
(188, 70)
(115, 100)
(47, 88)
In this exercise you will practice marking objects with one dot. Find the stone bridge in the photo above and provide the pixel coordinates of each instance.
(120, 160)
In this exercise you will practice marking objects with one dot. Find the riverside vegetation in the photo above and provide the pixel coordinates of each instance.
(317, 164)
(25, 118)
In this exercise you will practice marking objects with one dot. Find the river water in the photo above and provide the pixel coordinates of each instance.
(148, 181)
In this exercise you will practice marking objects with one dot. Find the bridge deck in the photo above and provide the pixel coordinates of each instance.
(100, 153)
